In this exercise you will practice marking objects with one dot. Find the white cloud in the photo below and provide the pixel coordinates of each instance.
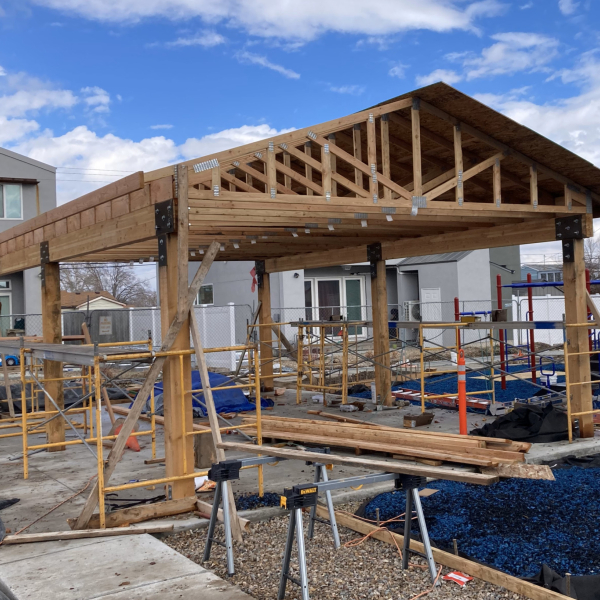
(352, 90)
(2, 72)
(526, 6)
(567, 7)
(82, 149)
(398, 70)
(206, 39)
(263, 61)
(512, 52)
(163, 126)
(449, 77)
(96, 99)
(15, 129)
(573, 122)
(303, 20)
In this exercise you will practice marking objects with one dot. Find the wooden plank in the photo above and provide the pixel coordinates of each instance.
(458, 164)
(209, 404)
(143, 512)
(381, 338)
(533, 185)
(206, 508)
(121, 410)
(592, 307)
(357, 146)
(271, 164)
(140, 401)
(497, 183)
(415, 116)
(287, 163)
(577, 337)
(51, 536)
(521, 471)
(453, 561)
(183, 239)
(375, 465)
(385, 153)
(52, 334)
(265, 334)
(326, 168)
(333, 160)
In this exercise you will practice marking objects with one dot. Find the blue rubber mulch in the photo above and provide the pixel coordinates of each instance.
(515, 525)
(251, 501)
(447, 384)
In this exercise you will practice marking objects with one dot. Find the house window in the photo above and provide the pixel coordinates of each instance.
(4, 285)
(205, 295)
(544, 276)
(550, 276)
(11, 206)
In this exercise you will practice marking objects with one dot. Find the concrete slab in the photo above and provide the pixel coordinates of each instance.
(543, 452)
(128, 567)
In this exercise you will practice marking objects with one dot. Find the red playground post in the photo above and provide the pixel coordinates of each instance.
(457, 319)
(501, 334)
(462, 393)
(531, 335)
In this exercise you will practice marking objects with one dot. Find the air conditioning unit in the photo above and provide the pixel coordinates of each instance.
(413, 310)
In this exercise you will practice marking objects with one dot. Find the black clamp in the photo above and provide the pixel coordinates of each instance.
(318, 451)
(225, 470)
(409, 482)
(300, 496)
(374, 255)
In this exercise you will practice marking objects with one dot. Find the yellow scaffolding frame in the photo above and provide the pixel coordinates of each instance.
(457, 326)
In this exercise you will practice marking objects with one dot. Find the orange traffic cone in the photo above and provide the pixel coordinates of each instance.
(131, 442)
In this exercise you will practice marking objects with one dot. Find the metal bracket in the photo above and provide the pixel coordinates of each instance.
(417, 203)
(259, 266)
(569, 228)
(164, 217)
(162, 250)
(44, 252)
(374, 255)
(568, 251)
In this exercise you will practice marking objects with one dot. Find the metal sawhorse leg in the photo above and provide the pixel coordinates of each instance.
(299, 497)
(411, 484)
(221, 473)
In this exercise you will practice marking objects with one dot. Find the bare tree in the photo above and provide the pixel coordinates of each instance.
(591, 256)
(119, 280)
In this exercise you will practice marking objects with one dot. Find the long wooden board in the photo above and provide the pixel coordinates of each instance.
(464, 565)
(375, 465)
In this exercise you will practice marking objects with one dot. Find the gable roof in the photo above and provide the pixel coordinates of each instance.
(76, 299)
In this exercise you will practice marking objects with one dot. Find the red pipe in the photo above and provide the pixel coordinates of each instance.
(457, 319)
(462, 393)
(531, 335)
(501, 332)
(588, 285)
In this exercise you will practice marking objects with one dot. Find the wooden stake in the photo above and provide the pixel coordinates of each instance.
(212, 417)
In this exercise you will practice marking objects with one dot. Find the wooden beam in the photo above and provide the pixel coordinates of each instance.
(265, 333)
(366, 463)
(140, 401)
(183, 226)
(533, 185)
(271, 164)
(308, 168)
(333, 161)
(177, 376)
(52, 334)
(577, 337)
(385, 153)
(211, 411)
(357, 146)
(372, 157)
(453, 561)
(326, 168)
(287, 162)
(458, 164)
(497, 183)
(416, 148)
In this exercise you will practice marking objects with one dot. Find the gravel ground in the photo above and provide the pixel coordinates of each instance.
(370, 570)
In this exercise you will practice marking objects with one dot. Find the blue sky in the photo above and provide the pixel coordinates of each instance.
(100, 87)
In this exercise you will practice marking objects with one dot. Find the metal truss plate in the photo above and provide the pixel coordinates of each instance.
(162, 250)
(164, 217)
(569, 228)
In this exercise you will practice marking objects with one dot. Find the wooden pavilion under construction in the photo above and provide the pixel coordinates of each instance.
(428, 172)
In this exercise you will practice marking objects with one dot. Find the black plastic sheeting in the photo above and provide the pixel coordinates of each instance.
(582, 587)
(533, 424)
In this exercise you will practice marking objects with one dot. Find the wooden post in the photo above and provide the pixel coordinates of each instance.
(372, 156)
(533, 185)
(416, 148)
(265, 333)
(577, 337)
(458, 164)
(332, 159)
(357, 143)
(307, 168)
(271, 166)
(176, 444)
(52, 334)
(326, 169)
(497, 177)
(381, 338)
(385, 153)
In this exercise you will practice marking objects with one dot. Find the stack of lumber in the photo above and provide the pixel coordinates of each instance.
(423, 446)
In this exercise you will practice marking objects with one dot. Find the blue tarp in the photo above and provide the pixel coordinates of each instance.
(225, 400)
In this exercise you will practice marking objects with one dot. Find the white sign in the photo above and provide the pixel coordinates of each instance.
(105, 326)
